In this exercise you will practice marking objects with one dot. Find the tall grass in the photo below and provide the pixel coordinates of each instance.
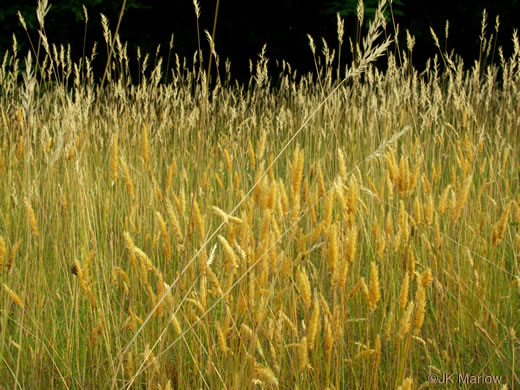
(360, 232)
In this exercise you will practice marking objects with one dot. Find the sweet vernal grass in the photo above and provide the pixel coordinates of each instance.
(376, 238)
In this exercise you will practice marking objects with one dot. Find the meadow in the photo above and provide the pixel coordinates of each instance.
(356, 228)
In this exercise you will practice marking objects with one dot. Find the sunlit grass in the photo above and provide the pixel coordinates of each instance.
(376, 236)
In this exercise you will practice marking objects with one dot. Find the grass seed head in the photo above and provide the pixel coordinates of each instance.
(405, 324)
(420, 300)
(374, 289)
(14, 296)
(351, 247)
(333, 248)
(426, 277)
(230, 253)
(3, 252)
(31, 218)
(303, 354)
(266, 375)
(304, 287)
(406, 385)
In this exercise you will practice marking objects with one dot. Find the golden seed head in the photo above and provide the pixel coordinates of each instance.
(333, 248)
(516, 210)
(443, 201)
(128, 178)
(406, 385)
(227, 160)
(266, 375)
(388, 327)
(261, 145)
(175, 323)
(226, 217)
(296, 174)
(170, 173)
(251, 154)
(351, 246)
(411, 263)
(403, 221)
(428, 210)
(420, 300)
(305, 190)
(405, 324)
(500, 227)
(340, 277)
(174, 221)
(389, 224)
(342, 165)
(303, 354)
(377, 350)
(403, 182)
(164, 234)
(31, 217)
(415, 176)
(391, 162)
(19, 116)
(12, 255)
(426, 278)
(272, 196)
(364, 287)
(230, 253)
(462, 196)
(380, 244)
(328, 339)
(304, 287)
(3, 251)
(374, 293)
(352, 195)
(221, 339)
(360, 285)
(14, 296)
(19, 148)
(199, 220)
(417, 212)
(283, 198)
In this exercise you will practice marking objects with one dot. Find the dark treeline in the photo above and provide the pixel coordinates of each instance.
(244, 27)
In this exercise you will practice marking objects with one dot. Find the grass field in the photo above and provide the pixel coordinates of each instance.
(360, 232)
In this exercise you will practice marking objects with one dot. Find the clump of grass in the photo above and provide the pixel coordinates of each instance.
(302, 244)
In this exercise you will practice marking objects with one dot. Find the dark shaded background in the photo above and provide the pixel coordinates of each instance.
(243, 27)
